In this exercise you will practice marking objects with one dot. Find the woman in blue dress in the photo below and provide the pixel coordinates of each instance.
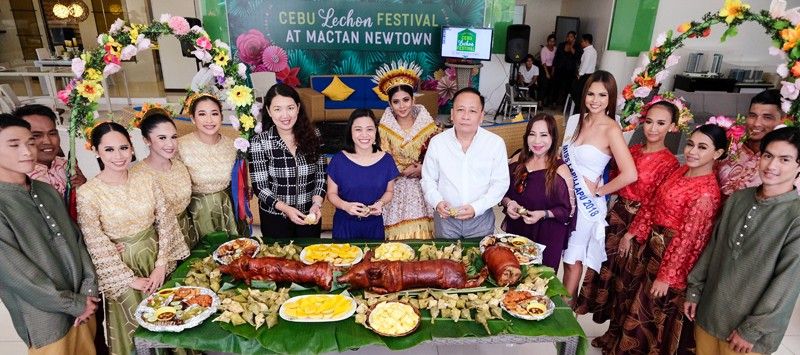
(360, 181)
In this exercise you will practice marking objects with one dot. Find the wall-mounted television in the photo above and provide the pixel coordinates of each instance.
(466, 43)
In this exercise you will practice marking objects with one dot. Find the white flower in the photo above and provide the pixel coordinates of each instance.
(777, 52)
(110, 69)
(777, 9)
(660, 76)
(164, 18)
(216, 70)
(782, 70)
(258, 129)
(636, 72)
(202, 55)
(143, 43)
(241, 69)
(101, 39)
(641, 92)
(634, 118)
(128, 52)
(786, 105)
(662, 37)
(241, 144)
(255, 111)
(197, 29)
(672, 60)
(221, 44)
(78, 66)
(234, 121)
(96, 114)
(116, 26)
(790, 90)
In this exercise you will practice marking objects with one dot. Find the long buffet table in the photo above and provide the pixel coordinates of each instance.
(295, 338)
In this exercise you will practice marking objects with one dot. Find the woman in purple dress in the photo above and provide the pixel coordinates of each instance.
(360, 181)
(539, 203)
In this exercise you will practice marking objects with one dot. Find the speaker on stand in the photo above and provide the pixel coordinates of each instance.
(186, 47)
(517, 41)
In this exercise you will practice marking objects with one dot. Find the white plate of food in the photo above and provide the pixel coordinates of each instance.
(527, 251)
(175, 309)
(393, 319)
(527, 305)
(318, 308)
(234, 249)
(337, 254)
(394, 251)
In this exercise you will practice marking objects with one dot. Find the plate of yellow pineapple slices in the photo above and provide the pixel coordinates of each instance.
(318, 308)
(393, 319)
(394, 251)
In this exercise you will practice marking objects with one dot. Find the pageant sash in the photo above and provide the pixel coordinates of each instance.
(592, 209)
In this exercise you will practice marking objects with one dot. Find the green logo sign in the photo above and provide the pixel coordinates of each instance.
(466, 41)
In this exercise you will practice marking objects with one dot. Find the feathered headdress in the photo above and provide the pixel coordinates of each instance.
(398, 73)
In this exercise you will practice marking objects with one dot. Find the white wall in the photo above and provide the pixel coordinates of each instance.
(747, 50)
(541, 16)
(176, 70)
(12, 50)
(494, 76)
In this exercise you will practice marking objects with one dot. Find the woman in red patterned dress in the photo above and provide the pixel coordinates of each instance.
(603, 293)
(672, 229)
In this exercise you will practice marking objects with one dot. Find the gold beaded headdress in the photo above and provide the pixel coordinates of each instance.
(398, 73)
(190, 97)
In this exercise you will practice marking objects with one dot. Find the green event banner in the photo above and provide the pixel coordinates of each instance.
(394, 26)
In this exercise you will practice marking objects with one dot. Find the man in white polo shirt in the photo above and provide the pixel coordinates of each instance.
(465, 171)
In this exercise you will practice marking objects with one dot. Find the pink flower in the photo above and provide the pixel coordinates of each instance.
(451, 72)
(288, 76)
(178, 25)
(241, 144)
(429, 84)
(63, 95)
(78, 66)
(111, 58)
(736, 132)
(250, 45)
(275, 59)
(790, 90)
(722, 121)
(203, 42)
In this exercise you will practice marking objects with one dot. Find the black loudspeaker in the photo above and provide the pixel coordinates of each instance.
(517, 38)
(186, 47)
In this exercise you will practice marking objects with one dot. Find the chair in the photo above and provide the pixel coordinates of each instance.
(8, 93)
(515, 102)
(262, 81)
(5, 105)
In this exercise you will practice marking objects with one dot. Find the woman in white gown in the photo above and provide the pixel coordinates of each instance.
(597, 139)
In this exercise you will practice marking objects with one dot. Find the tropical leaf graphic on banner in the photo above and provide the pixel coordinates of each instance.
(247, 10)
(359, 62)
(467, 12)
(310, 63)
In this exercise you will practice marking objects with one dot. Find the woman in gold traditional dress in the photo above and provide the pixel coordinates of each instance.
(405, 130)
(120, 209)
(161, 137)
(209, 156)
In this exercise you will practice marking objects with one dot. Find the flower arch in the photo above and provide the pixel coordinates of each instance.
(223, 76)
(782, 25)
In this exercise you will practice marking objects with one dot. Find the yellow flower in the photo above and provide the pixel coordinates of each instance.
(791, 36)
(113, 47)
(91, 90)
(240, 95)
(732, 10)
(247, 122)
(222, 57)
(92, 74)
(134, 34)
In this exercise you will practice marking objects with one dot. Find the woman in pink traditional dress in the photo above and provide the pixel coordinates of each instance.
(604, 293)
